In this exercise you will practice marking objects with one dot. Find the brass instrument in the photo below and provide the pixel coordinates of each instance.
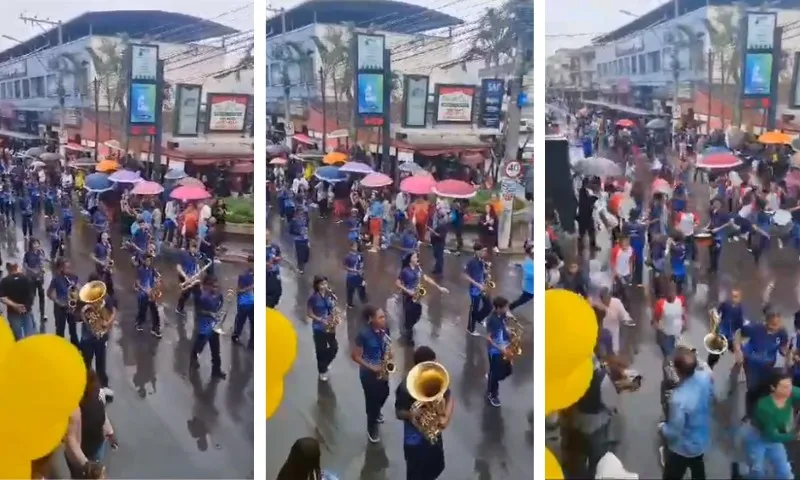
(157, 290)
(336, 313)
(222, 313)
(73, 295)
(427, 383)
(487, 276)
(514, 329)
(195, 279)
(93, 314)
(714, 342)
(388, 366)
(109, 267)
(421, 291)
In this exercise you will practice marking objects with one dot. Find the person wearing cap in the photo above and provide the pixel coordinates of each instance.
(210, 306)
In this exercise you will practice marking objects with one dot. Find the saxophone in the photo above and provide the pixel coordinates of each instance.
(157, 291)
(487, 276)
(336, 313)
(73, 295)
(514, 329)
(387, 359)
(420, 290)
(222, 314)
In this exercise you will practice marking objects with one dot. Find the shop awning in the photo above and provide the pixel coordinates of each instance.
(304, 139)
(622, 108)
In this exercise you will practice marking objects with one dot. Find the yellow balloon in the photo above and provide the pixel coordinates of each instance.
(281, 345)
(42, 380)
(274, 396)
(552, 469)
(14, 467)
(560, 393)
(570, 332)
(36, 443)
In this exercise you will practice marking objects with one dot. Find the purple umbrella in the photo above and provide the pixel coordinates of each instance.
(125, 176)
(356, 167)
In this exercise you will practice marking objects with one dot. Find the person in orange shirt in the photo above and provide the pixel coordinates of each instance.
(191, 221)
(419, 215)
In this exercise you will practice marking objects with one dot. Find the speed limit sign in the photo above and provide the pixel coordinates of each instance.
(513, 169)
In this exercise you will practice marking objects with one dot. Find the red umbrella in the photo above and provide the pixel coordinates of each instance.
(376, 180)
(147, 188)
(191, 182)
(185, 193)
(418, 185)
(243, 167)
(719, 161)
(626, 123)
(454, 189)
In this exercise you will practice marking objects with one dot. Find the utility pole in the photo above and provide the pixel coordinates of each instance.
(157, 140)
(59, 72)
(676, 65)
(96, 85)
(386, 137)
(322, 85)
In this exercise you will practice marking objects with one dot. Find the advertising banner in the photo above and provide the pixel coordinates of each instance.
(370, 52)
(492, 93)
(758, 74)
(143, 104)
(226, 112)
(415, 101)
(454, 103)
(370, 93)
(144, 62)
(369, 80)
(187, 110)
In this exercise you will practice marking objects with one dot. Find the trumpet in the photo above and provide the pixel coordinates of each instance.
(336, 313)
(487, 276)
(515, 331)
(714, 342)
(388, 366)
(427, 383)
(222, 314)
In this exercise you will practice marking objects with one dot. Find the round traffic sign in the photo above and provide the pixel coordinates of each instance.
(513, 169)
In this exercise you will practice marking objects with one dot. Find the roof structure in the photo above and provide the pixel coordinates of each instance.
(155, 25)
(387, 15)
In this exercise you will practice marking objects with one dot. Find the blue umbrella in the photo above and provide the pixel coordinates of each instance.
(330, 174)
(98, 182)
(713, 150)
(174, 175)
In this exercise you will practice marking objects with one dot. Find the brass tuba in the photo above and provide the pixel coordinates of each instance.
(388, 366)
(94, 316)
(427, 383)
(515, 331)
(714, 342)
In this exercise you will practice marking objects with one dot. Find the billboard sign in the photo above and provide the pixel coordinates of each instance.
(454, 103)
(369, 80)
(227, 112)
(759, 78)
(144, 62)
(492, 93)
(187, 110)
(415, 100)
(143, 104)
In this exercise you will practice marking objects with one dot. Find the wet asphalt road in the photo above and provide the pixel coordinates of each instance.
(170, 423)
(641, 411)
(481, 443)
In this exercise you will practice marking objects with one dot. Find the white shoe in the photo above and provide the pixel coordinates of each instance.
(107, 392)
(323, 377)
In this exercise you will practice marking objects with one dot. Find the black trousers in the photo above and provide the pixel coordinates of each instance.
(94, 348)
(38, 286)
(274, 289)
(479, 308)
(499, 370)
(325, 347)
(146, 305)
(64, 319)
(302, 252)
(194, 291)
(107, 278)
(27, 225)
(587, 228)
(243, 314)
(412, 311)
(424, 461)
(212, 339)
(376, 391)
(524, 298)
(355, 284)
(675, 466)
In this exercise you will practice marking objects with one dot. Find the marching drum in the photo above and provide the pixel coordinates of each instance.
(782, 222)
(703, 239)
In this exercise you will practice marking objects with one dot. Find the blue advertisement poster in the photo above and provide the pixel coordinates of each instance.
(758, 74)
(143, 103)
(370, 93)
(492, 92)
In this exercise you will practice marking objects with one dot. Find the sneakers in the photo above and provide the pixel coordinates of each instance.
(661, 456)
(380, 418)
(139, 328)
(474, 333)
(323, 377)
(156, 333)
(494, 401)
(219, 374)
(373, 437)
(106, 394)
(180, 311)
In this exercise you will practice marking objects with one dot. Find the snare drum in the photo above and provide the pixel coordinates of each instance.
(782, 222)
(703, 239)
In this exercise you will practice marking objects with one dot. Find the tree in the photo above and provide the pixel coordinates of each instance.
(500, 32)
(108, 60)
(247, 62)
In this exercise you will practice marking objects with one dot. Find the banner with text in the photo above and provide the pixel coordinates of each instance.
(454, 103)
(492, 92)
(226, 112)
(187, 110)
(369, 80)
(415, 101)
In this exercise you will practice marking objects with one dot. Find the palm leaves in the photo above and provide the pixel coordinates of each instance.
(500, 32)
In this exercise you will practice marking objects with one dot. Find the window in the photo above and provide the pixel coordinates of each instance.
(642, 63)
(633, 65)
(275, 75)
(26, 88)
(37, 87)
(2, 91)
(654, 62)
(17, 89)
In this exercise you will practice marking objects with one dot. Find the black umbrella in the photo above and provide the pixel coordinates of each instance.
(657, 124)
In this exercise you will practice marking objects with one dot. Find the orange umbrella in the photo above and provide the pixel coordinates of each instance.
(107, 166)
(191, 182)
(334, 157)
(775, 138)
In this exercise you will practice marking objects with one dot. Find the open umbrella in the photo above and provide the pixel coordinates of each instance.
(50, 157)
(409, 167)
(243, 168)
(38, 164)
(107, 166)
(661, 186)
(418, 185)
(82, 163)
(376, 180)
(718, 161)
(625, 123)
(356, 167)
(147, 188)
(330, 174)
(34, 152)
(278, 161)
(775, 138)
(454, 189)
(174, 174)
(657, 124)
(334, 157)
(125, 176)
(190, 193)
(191, 182)
(97, 182)
(599, 167)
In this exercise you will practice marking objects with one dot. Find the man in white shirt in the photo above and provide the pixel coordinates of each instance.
(67, 181)
(669, 318)
(401, 206)
(205, 213)
(299, 183)
(171, 222)
(615, 315)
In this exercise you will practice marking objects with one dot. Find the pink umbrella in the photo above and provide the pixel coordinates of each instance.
(191, 182)
(376, 180)
(147, 188)
(422, 173)
(278, 161)
(243, 167)
(185, 193)
(661, 186)
(719, 161)
(454, 189)
(418, 185)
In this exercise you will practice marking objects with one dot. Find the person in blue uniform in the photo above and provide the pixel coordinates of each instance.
(479, 296)
(320, 309)
(655, 221)
(50, 202)
(719, 220)
(55, 235)
(93, 347)
(409, 281)
(731, 315)
(188, 266)
(498, 341)
(10, 204)
(354, 277)
(66, 219)
(759, 236)
(146, 277)
(26, 214)
(57, 291)
(99, 219)
(245, 304)
(759, 354)
(101, 257)
(635, 229)
(372, 342)
(424, 459)
(438, 235)
(209, 306)
(298, 227)
(409, 243)
(677, 261)
(33, 262)
(273, 280)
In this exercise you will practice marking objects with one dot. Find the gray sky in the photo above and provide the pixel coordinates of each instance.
(567, 20)
(68, 9)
